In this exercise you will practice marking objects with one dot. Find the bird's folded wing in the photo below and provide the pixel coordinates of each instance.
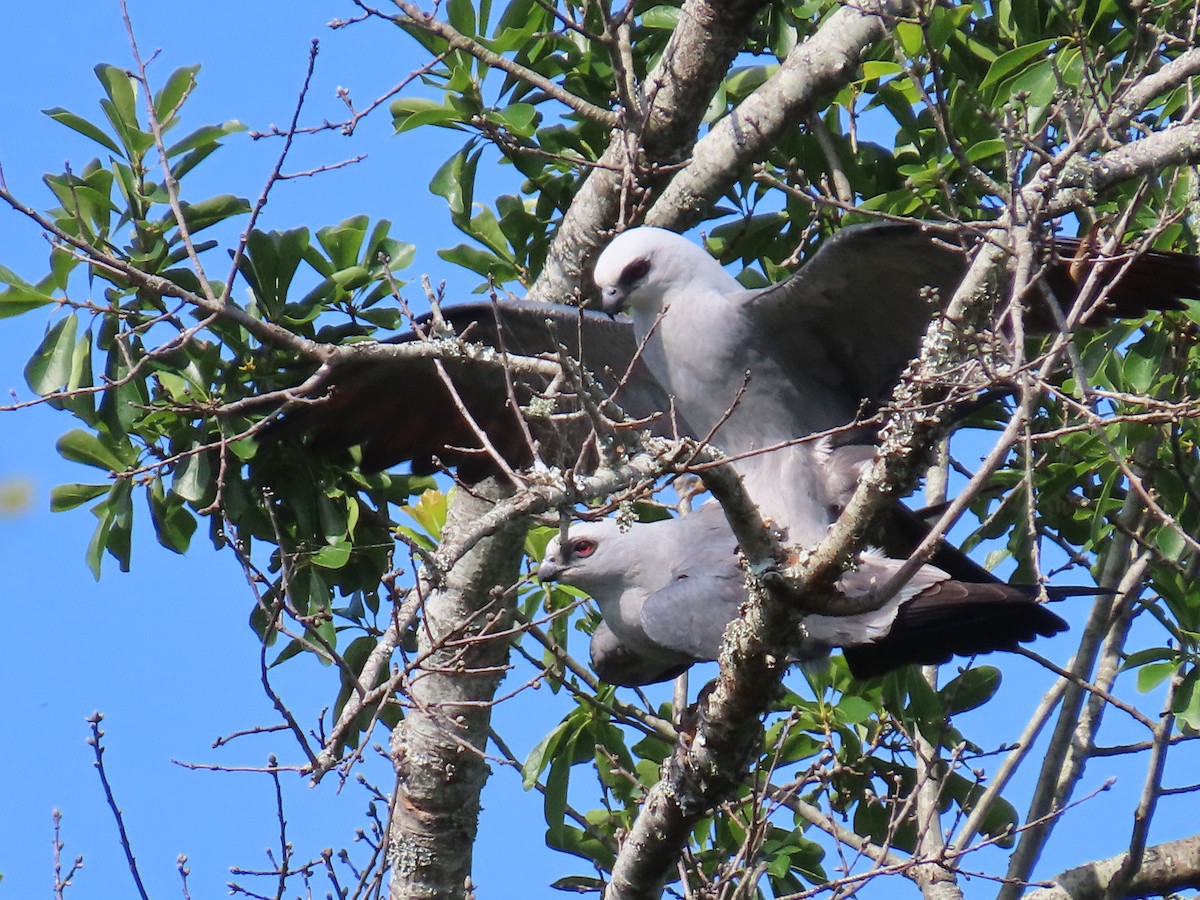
(955, 619)
(689, 615)
(619, 664)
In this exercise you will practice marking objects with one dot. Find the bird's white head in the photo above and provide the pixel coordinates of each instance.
(588, 559)
(642, 265)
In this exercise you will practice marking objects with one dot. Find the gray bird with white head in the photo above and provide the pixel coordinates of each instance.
(815, 347)
(668, 589)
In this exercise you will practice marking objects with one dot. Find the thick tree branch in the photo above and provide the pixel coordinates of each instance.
(438, 749)
(708, 37)
(812, 72)
(1164, 869)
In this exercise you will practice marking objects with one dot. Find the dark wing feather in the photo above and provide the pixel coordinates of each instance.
(1153, 280)
(955, 619)
(854, 314)
(401, 410)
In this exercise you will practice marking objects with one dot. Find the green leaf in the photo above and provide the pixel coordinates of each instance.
(911, 38)
(429, 511)
(173, 524)
(519, 118)
(85, 447)
(20, 296)
(1187, 700)
(661, 17)
(333, 556)
(190, 478)
(206, 136)
(479, 261)
(50, 366)
(455, 181)
(83, 126)
(854, 710)
(413, 112)
(179, 84)
(539, 756)
(461, 15)
(971, 689)
(873, 69)
(985, 148)
(69, 496)
(1008, 64)
(1152, 675)
(579, 884)
(342, 242)
(270, 264)
(199, 216)
(119, 84)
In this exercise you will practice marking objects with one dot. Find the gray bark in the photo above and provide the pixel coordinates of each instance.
(674, 98)
(812, 72)
(438, 749)
(1165, 868)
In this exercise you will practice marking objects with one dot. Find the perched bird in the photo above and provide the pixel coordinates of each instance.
(667, 590)
(754, 369)
(760, 368)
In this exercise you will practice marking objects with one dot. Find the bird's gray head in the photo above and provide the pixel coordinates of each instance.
(589, 559)
(642, 264)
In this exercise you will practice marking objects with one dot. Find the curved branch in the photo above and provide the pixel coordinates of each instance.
(813, 71)
(1165, 869)
(708, 37)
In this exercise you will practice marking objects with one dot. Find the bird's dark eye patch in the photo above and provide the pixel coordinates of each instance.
(583, 548)
(635, 272)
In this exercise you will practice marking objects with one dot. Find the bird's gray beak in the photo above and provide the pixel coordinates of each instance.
(612, 299)
(549, 570)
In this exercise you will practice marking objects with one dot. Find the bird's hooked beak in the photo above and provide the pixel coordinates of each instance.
(612, 299)
(549, 570)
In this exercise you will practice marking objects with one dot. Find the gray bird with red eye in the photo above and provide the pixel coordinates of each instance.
(667, 590)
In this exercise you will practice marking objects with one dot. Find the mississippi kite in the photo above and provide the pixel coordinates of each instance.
(844, 326)
(667, 590)
(758, 368)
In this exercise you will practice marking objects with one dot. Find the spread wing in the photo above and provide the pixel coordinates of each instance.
(403, 410)
(854, 314)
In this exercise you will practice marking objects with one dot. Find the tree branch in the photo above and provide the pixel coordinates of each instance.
(438, 750)
(1165, 868)
(708, 37)
(813, 71)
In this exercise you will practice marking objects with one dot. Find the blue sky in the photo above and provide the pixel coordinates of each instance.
(165, 651)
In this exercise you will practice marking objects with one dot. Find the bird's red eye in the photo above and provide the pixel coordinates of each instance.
(584, 548)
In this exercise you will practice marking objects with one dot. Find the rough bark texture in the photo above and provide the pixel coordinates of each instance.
(812, 72)
(676, 94)
(438, 748)
(1165, 868)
